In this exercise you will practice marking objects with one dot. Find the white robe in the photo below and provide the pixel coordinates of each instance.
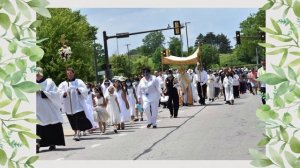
(149, 93)
(228, 86)
(77, 103)
(47, 109)
(210, 86)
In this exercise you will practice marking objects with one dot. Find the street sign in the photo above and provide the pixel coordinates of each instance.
(101, 72)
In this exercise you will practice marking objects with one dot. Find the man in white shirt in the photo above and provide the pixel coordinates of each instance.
(149, 93)
(73, 93)
(261, 85)
(201, 84)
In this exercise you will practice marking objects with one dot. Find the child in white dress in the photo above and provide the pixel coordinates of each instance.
(100, 115)
(113, 108)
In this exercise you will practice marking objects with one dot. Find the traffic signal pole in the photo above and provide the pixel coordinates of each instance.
(122, 35)
(106, 61)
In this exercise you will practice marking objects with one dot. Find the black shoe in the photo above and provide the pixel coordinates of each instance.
(171, 116)
(115, 131)
(154, 126)
(175, 116)
(52, 147)
(149, 125)
(77, 138)
(142, 119)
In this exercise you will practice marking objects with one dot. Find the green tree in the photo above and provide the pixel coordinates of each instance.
(246, 52)
(223, 43)
(79, 35)
(210, 55)
(119, 65)
(156, 57)
(210, 38)
(199, 39)
(175, 46)
(220, 41)
(151, 42)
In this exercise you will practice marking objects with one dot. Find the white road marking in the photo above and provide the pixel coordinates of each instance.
(158, 121)
(60, 159)
(95, 145)
(141, 127)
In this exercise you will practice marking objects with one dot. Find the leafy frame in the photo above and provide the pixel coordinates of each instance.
(280, 139)
(22, 47)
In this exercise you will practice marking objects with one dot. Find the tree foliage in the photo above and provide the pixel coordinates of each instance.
(151, 42)
(175, 46)
(210, 55)
(79, 35)
(122, 67)
(220, 41)
(246, 52)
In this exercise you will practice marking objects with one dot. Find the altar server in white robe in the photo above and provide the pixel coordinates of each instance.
(50, 128)
(149, 93)
(228, 86)
(211, 86)
(73, 93)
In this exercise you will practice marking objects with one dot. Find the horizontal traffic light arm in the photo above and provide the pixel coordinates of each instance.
(124, 35)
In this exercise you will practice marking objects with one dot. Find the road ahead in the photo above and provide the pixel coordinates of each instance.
(216, 131)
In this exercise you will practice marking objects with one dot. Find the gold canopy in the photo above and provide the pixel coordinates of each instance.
(175, 60)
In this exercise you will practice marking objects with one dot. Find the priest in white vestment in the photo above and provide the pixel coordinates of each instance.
(73, 93)
(50, 128)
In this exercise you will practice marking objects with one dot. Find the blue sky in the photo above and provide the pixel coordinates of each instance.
(203, 20)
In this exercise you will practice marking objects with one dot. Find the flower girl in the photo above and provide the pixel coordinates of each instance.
(101, 115)
(113, 108)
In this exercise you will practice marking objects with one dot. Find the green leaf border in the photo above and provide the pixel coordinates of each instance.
(281, 139)
(22, 48)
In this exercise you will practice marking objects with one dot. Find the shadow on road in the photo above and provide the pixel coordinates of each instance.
(100, 137)
(58, 149)
(168, 127)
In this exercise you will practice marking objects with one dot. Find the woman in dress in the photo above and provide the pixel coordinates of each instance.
(113, 108)
(101, 115)
(132, 99)
(123, 103)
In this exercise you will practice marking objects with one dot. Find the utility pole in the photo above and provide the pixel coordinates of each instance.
(181, 45)
(118, 47)
(128, 58)
(187, 38)
(95, 62)
(256, 57)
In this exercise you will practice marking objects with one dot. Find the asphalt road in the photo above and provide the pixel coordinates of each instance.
(216, 131)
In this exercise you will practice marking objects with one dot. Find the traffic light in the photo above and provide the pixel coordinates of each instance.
(238, 37)
(263, 36)
(177, 27)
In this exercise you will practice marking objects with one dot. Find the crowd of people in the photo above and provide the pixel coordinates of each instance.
(121, 100)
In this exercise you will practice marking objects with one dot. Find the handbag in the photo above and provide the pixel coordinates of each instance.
(164, 99)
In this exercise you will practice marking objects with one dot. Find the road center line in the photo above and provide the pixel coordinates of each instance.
(95, 145)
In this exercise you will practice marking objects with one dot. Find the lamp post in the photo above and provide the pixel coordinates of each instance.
(128, 58)
(95, 62)
(187, 38)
